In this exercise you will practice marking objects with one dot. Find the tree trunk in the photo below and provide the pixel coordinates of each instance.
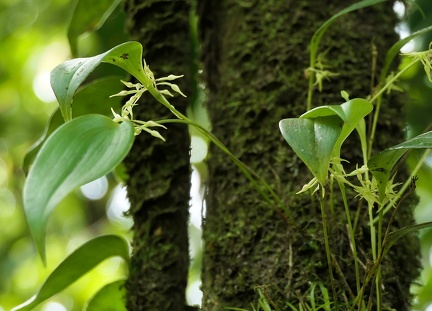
(255, 54)
(159, 172)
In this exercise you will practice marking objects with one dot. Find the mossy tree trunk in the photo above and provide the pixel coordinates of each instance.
(159, 182)
(255, 54)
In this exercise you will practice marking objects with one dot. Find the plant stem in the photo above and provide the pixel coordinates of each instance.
(249, 173)
(378, 97)
(378, 276)
(351, 234)
(327, 247)
(310, 91)
(253, 177)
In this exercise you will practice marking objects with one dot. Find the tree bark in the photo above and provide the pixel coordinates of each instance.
(159, 172)
(255, 54)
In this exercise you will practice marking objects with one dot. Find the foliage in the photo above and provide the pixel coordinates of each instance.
(322, 130)
(78, 152)
(32, 43)
(77, 264)
(90, 146)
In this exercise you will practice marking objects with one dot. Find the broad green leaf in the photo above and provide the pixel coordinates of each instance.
(78, 152)
(68, 76)
(316, 38)
(382, 163)
(92, 98)
(395, 49)
(352, 114)
(111, 297)
(77, 264)
(313, 141)
(88, 16)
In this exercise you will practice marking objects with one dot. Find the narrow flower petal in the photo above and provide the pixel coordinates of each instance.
(169, 78)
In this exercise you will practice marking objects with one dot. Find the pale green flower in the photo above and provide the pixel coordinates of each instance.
(311, 184)
(137, 90)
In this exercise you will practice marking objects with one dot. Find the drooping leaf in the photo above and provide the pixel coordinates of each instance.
(395, 50)
(313, 141)
(352, 114)
(111, 297)
(91, 98)
(398, 234)
(78, 152)
(382, 163)
(68, 76)
(316, 38)
(88, 16)
(77, 264)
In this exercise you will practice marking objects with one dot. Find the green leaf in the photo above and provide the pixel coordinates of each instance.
(352, 114)
(313, 141)
(382, 163)
(398, 234)
(92, 98)
(77, 264)
(395, 49)
(316, 38)
(68, 76)
(53, 123)
(88, 16)
(111, 297)
(78, 152)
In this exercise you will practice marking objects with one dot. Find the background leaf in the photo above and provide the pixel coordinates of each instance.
(88, 16)
(77, 264)
(78, 152)
(316, 38)
(68, 76)
(313, 141)
(382, 163)
(395, 50)
(111, 297)
(398, 234)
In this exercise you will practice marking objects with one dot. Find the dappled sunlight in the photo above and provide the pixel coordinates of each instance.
(96, 189)
(53, 306)
(118, 206)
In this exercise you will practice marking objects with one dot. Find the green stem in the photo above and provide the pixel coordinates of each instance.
(372, 272)
(351, 235)
(378, 279)
(327, 247)
(248, 172)
(372, 233)
(378, 97)
(310, 90)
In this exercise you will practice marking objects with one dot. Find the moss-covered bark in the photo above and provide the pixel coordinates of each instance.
(159, 182)
(255, 54)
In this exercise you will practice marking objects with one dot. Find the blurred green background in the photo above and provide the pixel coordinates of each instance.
(33, 40)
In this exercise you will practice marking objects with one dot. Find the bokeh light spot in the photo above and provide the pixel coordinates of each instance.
(42, 87)
(54, 306)
(96, 189)
(117, 206)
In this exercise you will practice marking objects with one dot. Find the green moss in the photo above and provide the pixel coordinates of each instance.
(255, 56)
(159, 183)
